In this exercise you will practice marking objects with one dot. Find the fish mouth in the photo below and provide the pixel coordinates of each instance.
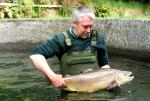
(130, 75)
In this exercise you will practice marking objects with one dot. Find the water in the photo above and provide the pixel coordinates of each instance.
(21, 81)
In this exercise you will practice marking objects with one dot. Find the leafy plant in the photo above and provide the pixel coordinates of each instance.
(26, 8)
(5, 11)
(100, 10)
(37, 12)
(65, 11)
(10, 12)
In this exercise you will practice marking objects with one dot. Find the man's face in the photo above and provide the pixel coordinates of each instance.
(84, 27)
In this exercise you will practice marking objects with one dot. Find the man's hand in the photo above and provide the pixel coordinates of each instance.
(41, 63)
(58, 81)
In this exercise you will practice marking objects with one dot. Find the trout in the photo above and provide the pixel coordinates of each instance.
(97, 80)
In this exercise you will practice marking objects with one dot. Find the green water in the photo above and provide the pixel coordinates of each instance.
(21, 81)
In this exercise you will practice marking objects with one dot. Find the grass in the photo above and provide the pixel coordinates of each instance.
(116, 9)
(97, 18)
(120, 9)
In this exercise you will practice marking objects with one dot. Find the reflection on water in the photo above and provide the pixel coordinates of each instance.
(21, 81)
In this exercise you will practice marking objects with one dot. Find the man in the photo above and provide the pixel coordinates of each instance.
(79, 48)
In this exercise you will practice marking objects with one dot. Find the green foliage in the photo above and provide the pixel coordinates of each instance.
(9, 12)
(16, 12)
(100, 10)
(26, 8)
(5, 11)
(65, 11)
(37, 12)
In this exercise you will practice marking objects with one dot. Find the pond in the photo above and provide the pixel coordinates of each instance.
(21, 81)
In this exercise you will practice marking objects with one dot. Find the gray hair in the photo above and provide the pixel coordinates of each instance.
(82, 11)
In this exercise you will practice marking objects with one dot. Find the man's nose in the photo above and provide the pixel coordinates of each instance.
(89, 29)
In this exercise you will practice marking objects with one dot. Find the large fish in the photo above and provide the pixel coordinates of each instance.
(97, 80)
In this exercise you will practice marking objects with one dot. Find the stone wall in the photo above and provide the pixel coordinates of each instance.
(122, 36)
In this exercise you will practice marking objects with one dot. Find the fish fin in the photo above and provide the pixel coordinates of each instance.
(114, 87)
(67, 75)
(87, 70)
(69, 88)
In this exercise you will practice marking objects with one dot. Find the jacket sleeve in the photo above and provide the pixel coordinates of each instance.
(51, 47)
(102, 54)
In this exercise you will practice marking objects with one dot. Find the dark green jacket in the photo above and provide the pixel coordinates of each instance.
(57, 46)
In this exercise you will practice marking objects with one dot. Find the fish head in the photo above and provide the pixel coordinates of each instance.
(123, 77)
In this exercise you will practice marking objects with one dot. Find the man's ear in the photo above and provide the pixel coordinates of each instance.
(73, 24)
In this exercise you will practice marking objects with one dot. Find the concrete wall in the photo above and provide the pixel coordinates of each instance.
(122, 36)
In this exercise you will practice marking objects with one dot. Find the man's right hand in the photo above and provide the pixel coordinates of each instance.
(58, 81)
(40, 62)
